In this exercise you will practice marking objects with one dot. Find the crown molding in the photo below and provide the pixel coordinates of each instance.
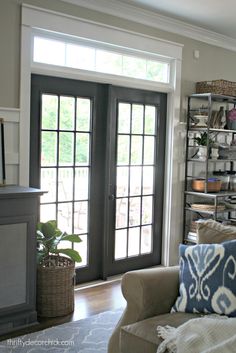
(155, 20)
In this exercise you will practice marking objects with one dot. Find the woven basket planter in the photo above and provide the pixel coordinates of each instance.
(55, 287)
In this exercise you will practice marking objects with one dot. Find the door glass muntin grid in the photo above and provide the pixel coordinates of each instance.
(133, 220)
(63, 172)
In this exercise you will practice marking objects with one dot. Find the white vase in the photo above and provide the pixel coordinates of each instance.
(214, 153)
(202, 153)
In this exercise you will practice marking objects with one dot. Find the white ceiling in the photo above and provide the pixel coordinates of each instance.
(214, 15)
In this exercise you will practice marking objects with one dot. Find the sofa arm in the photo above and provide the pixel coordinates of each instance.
(151, 292)
(148, 293)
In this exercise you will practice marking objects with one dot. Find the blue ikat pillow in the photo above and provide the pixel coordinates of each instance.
(207, 279)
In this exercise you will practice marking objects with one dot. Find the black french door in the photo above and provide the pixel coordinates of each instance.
(99, 151)
(135, 176)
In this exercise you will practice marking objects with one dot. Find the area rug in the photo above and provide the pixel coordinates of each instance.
(89, 335)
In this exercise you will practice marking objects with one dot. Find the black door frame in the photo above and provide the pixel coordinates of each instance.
(105, 98)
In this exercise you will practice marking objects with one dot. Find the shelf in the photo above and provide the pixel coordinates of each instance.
(207, 205)
(211, 129)
(212, 213)
(211, 195)
(215, 97)
(211, 160)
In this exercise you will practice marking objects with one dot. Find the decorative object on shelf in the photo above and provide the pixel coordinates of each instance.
(202, 142)
(55, 273)
(201, 120)
(218, 120)
(213, 185)
(224, 177)
(221, 87)
(214, 152)
(227, 152)
(203, 139)
(233, 182)
(2, 154)
(202, 153)
(231, 119)
(207, 207)
(230, 202)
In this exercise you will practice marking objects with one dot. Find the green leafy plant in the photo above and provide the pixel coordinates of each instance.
(48, 238)
(202, 140)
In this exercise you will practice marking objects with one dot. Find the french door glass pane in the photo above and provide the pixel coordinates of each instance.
(66, 148)
(65, 165)
(134, 211)
(121, 212)
(67, 113)
(122, 181)
(48, 182)
(148, 175)
(64, 215)
(147, 209)
(133, 246)
(149, 148)
(137, 119)
(82, 248)
(82, 149)
(150, 120)
(47, 212)
(124, 118)
(146, 239)
(49, 148)
(121, 244)
(136, 143)
(81, 183)
(135, 180)
(65, 184)
(81, 217)
(83, 114)
(123, 149)
(136, 149)
(49, 111)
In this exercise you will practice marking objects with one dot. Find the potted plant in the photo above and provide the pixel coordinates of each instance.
(55, 272)
(202, 142)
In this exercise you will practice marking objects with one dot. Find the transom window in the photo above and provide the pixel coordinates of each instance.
(100, 58)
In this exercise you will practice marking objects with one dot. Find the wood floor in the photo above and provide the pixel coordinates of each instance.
(88, 301)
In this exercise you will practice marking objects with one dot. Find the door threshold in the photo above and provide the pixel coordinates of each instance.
(101, 282)
(98, 282)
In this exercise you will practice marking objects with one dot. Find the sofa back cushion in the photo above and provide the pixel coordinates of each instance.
(210, 231)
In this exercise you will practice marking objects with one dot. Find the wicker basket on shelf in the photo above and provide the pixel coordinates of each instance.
(223, 87)
(55, 287)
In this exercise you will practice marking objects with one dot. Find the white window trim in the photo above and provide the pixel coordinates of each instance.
(33, 17)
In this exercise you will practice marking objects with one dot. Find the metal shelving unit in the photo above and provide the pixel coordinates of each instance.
(204, 103)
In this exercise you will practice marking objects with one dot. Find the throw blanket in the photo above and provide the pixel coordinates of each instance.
(209, 334)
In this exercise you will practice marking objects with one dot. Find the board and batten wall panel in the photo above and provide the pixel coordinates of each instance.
(11, 118)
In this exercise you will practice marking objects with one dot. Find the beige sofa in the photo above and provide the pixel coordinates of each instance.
(150, 294)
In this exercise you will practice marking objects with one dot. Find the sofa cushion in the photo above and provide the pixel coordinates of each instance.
(210, 231)
(142, 336)
(207, 279)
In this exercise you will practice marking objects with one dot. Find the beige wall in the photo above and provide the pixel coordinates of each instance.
(213, 62)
